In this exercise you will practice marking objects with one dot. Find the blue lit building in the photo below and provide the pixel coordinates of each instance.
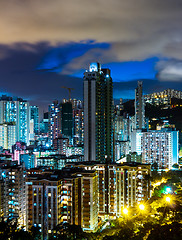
(28, 159)
(16, 111)
(34, 114)
(44, 124)
(54, 120)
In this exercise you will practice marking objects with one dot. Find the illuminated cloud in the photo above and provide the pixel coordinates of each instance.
(135, 31)
(170, 70)
(46, 44)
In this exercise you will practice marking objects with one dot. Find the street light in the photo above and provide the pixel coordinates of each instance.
(168, 199)
(141, 207)
(125, 211)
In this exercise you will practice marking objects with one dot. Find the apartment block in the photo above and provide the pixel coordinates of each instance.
(13, 193)
(160, 146)
(119, 185)
(62, 196)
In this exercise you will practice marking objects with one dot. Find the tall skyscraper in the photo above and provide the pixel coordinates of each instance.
(34, 114)
(98, 117)
(78, 122)
(139, 107)
(67, 119)
(16, 111)
(54, 120)
(44, 123)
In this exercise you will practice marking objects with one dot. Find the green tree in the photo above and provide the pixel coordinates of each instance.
(9, 230)
(69, 232)
(171, 231)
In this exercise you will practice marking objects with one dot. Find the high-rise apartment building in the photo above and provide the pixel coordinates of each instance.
(78, 122)
(160, 146)
(90, 200)
(139, 107)
(79, 194)
(54, 120)
(13, 193)
(67, 196)
(60, 144)
(98, 117)
(7, 135)
(123, 126)
(34, 114)
(44, 205)
(67, 119)
(44, 124)
(119, 185)
(163, 97)
(16, 111)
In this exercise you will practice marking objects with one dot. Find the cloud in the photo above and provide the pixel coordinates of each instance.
(170, 70)
(70, 57)
(41, 38)
(19, 76)
(134, 31)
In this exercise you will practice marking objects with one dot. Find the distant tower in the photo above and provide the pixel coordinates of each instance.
(54, 120)
(98, 117)
(139, 107)
(16, 111)
(34, 114)
(67, 119)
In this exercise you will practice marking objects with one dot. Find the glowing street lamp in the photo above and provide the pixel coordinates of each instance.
(125, 211)
(141, 207)
(168, 199)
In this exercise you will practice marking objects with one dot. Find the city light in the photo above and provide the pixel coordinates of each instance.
(141, 207)
(168, 190)
(168, 199)
(125, 211)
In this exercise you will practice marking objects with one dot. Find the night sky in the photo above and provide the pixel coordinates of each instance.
(46, 44)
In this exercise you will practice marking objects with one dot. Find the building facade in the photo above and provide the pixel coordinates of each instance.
(139, 107)
(34, 114)
(157, 146)
(163, 97)
(7, 135)
(54, 116)
(67, 119)
(67, 196)
(119, 185)
(13, 192)
(98, 115)
(16, 111)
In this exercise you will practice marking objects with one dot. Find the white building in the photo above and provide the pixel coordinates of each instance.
(156, 146)
(15, 111)
(7, 135)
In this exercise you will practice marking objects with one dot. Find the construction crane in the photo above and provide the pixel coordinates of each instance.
(69, 90)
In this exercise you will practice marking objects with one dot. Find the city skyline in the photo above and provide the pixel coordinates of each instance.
(42, 48)
(90, 119)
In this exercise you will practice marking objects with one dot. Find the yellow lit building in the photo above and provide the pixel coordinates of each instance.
(119, 185)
